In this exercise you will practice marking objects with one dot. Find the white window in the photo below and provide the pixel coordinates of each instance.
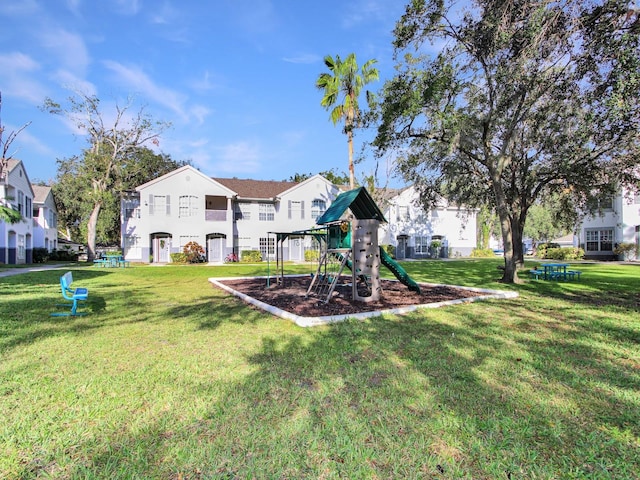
(20, 202)
(318, 207)
(159, 205)
(605, 203)
(403, 213)
(267, 247)
(599, 240)
(21, 249)
(28, 209)
(421, 244)
(242, 211)
(132, 247)
(296, 210)
(267, 212)
(53, 221)
(188, 206)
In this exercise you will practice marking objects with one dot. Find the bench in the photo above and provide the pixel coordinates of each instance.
(74, 295)
(536, 274)
(574, 273)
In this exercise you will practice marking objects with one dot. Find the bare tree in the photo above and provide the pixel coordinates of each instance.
(7, 213)
(111, 147)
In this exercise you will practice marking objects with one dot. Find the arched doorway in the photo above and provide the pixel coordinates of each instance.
(160, 247)
(215, 247)
(401, 249)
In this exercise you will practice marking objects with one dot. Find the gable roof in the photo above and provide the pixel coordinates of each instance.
(13, 164)
(187, 168)
(40, 193)
(255, 189)
(358, 201)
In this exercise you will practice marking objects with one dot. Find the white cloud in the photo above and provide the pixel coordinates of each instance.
(366, 11)
(17, 72)
(135, 79)
(127, 7)
(164, 15)
(256, 16)
(200, 112)
(26, 139)
(69, 48)
(74, 6)
(238, 157)
(205, 83)
(24, 7)
(305, 58)
(72, 82)
(17, 61)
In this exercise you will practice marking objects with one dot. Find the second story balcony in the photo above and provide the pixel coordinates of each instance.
(215, 215)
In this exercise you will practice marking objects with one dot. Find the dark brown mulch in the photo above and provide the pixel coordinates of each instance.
(291, 297)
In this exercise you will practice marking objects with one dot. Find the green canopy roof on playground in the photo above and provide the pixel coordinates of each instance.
(360, 203)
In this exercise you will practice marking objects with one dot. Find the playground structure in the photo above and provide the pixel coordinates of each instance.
(347, 240)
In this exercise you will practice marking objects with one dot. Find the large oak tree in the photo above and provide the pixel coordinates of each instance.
(521, 100)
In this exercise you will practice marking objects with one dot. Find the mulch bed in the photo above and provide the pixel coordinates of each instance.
(291, 297)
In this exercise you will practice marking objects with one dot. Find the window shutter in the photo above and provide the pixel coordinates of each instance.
(150, 204)
(289, 209)
(168, 205)
(302, 210)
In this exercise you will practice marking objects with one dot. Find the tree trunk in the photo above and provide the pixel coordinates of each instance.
(352, 176)
(510, 274)
(518, 250)
(91, 231)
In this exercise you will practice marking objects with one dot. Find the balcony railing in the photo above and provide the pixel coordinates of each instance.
(215, 215)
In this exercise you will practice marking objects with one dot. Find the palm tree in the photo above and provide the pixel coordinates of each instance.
(346, 79)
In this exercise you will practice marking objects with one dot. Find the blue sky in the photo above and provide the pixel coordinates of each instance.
(235, 79)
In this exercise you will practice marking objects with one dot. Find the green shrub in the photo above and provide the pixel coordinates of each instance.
(482, 253)
(311, 255)
(542, 248)
(66, 255)
(250, 256)
(625, 251)
(178, 257)
(40, 255)
(390, 249)
(567, 253)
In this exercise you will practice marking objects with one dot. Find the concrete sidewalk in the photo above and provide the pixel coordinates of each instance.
(9, 272)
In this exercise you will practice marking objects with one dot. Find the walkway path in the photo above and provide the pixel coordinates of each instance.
(9, 272)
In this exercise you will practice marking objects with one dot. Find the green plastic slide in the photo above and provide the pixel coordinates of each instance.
(398, 271)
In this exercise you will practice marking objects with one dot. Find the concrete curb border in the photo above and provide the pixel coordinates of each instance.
(315, 321)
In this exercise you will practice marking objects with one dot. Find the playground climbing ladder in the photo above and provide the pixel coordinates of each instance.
(324, 282)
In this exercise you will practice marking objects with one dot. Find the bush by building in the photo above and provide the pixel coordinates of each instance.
(482, 253)
(250, 256)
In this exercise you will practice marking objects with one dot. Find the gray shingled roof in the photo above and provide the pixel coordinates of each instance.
(267, 189)
(40, 192)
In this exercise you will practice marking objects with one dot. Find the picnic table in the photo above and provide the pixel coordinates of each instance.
(555, 271)
(111, 261)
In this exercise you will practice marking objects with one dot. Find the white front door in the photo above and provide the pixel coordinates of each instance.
(161, 248)
(215, 249)
(401, 251)
(296, 249)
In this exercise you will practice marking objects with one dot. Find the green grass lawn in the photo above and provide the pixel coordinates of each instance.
(170, 378)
